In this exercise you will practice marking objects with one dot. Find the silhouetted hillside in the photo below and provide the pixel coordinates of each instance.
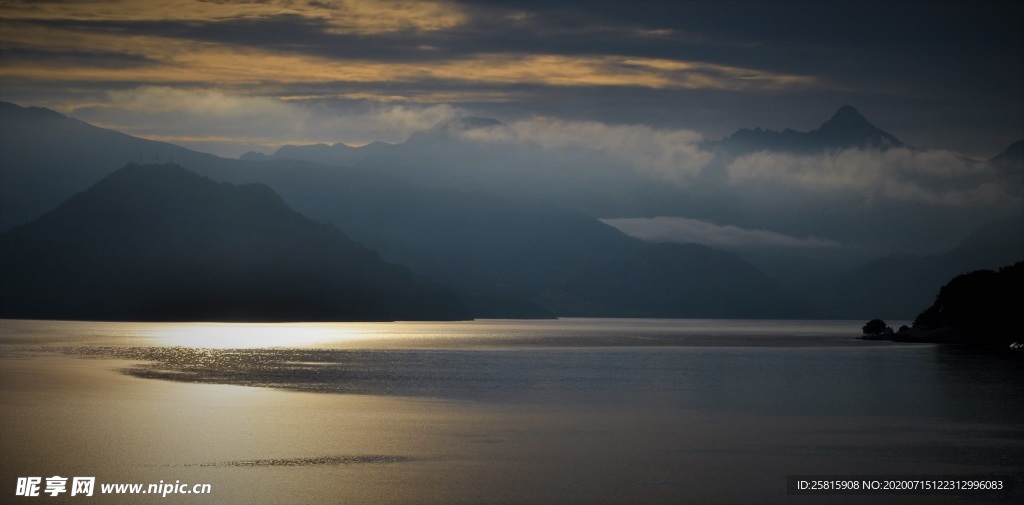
(984, 307)
(677, 281)
(483, 244)
(489, 246)
(46, 157)
(896, 287)
(160, 243)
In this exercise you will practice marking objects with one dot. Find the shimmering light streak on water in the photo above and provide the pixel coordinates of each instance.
(248, 335)
(442, 335)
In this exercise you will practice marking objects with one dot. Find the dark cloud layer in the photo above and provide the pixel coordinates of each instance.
(938, 74)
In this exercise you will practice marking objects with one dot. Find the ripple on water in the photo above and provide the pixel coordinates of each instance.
(372, 459)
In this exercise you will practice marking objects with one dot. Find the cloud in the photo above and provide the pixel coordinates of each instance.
(686, 230)
(209, 103)
(666, 154)
(175, 61)
(229, 124)
(340, 16)
(896, 175)
(406, 119)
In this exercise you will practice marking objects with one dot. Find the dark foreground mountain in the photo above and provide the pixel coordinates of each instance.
(46, 157)
(676, 281)
(982, 307)
(158, 242)
(494, 249)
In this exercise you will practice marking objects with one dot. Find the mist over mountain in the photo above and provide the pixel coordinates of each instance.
(507, 212)
(844, 181)
(486, 155)
(335, 154)
(157, 242)
(878, 199)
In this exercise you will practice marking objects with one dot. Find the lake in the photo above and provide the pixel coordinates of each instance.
(561, 411)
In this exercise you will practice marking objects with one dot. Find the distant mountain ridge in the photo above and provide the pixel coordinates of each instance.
(846, 129)
(1011, 160)
(896, 287)
(343, 154)
(1014, 154)
(335, 154)
(159, 243)
(670, 280)
(46, 157)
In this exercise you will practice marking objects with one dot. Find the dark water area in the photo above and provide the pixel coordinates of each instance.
(575, 411)
(917, 381)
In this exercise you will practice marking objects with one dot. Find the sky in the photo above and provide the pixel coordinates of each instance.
(229, 76)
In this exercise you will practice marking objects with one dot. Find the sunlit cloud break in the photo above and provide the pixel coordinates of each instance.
(687, 230)
(340, 16)
(164, 61)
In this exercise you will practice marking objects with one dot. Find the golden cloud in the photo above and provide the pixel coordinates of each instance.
(341, 16)
(167, 61)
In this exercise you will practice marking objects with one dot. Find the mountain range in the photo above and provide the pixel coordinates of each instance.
(846, 129)
(900, 285)
(843, 181)
(157, 242)
(510, 235)
(675, 280)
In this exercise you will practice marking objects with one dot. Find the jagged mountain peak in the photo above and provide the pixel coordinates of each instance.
(847, 128)
(847, 118)
(1013, 153)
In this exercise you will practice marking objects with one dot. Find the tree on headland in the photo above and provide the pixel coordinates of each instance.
(876, 327)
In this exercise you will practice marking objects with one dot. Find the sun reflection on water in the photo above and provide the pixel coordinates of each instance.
(249, 335)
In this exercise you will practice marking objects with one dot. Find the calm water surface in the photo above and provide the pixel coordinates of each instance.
(632, 410)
